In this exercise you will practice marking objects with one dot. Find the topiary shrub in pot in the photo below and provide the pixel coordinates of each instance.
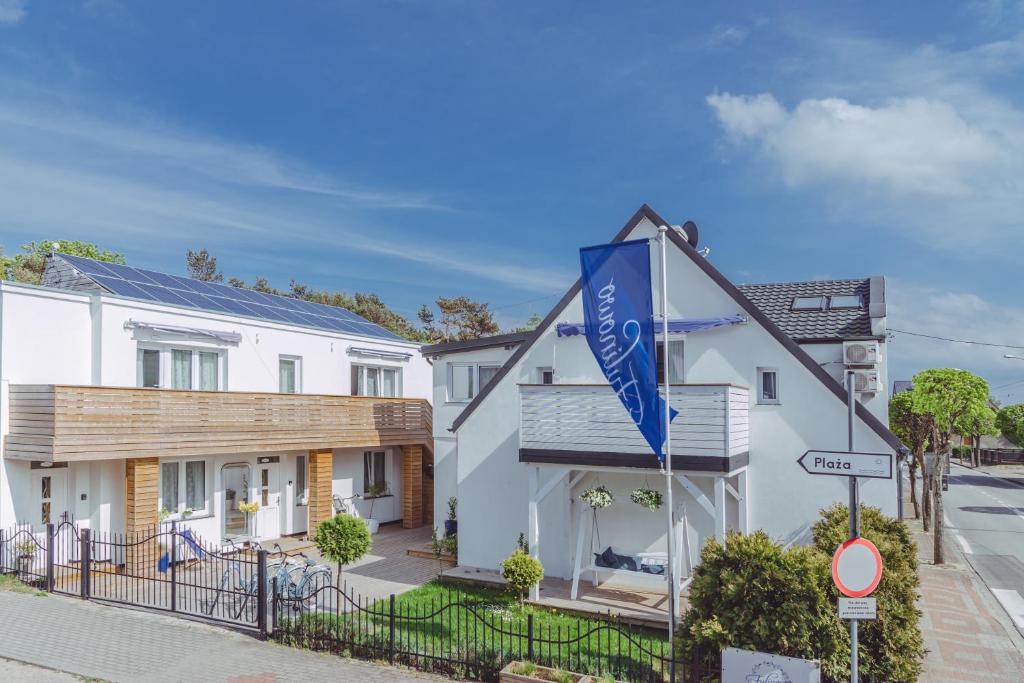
(521, 572)
(451, 525)
(342, 539)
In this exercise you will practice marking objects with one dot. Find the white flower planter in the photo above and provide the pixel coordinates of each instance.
(373, 525)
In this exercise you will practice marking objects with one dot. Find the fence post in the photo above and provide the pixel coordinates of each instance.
(273, 606)
(391, 630)
(174, 566)
(85, 563)
(529, 637)
(3, 555)
(261, 592)
(50, 536)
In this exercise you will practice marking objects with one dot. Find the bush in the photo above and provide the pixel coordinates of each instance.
(751, 593)
(891, 648)
(1010, 421)
(521, 572)
(962, 452)
(342, 539)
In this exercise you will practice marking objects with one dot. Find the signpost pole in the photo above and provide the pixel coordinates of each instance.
(670, 569)
(851, 396)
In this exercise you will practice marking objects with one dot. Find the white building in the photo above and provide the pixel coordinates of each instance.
(524, 423)
(130, 396)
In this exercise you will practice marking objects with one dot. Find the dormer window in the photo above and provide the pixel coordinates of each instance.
(809, 303)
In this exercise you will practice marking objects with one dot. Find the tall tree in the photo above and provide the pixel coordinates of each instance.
(947, 395)
(461, 318)
(914, 431)
(1011, 422)
(29, 265)
(203, 266)
(979, 422)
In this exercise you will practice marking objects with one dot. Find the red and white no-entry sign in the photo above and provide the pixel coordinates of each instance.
(857, 567)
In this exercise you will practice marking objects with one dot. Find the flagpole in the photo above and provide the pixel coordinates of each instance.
(667, 466)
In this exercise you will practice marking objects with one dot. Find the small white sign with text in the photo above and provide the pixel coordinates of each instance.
(748, 666)
(858, 608)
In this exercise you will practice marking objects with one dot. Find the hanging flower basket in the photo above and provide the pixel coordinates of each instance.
(648, 498)
(597, 497)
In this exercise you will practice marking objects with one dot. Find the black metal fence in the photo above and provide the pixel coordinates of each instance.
(163, 568)
(473, 639)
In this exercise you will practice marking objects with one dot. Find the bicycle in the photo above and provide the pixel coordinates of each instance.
(345, 505)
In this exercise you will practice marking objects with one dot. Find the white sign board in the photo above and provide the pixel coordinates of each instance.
(842, 463)
(858, 608)
(747, 666)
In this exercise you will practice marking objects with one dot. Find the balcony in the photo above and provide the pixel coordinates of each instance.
(586, 425)
(73, 423)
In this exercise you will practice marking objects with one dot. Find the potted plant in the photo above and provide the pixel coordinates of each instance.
(528, 672)
(597, 497)
(342, 539)
(648, 498)
(26, 549)
(373, 493)
(451, 525)
(521, 572)
(249, 509)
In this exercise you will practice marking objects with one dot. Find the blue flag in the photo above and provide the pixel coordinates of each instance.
(619, 325)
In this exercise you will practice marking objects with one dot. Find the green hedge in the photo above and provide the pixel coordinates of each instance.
(962, 452)
(752, 593)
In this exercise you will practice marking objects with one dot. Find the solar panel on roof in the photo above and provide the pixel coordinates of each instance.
(150, 285)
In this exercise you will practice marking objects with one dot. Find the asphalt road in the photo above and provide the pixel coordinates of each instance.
(985, 515)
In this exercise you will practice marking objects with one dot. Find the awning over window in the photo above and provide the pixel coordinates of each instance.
(218, 335)
(379, 353)
(682, 326)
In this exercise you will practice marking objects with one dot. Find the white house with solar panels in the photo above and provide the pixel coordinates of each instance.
(526, 423)
(130, 397)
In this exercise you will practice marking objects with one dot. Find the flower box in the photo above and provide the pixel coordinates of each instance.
(511, 674)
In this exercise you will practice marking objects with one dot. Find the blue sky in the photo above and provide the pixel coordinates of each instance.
(418, 149)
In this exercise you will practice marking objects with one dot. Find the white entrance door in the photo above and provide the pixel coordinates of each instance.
(269, 494)
(50, 500)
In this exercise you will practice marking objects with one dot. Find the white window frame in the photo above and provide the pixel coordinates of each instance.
(361, 368)
(302, 494)
(166, 364)
(761, 400)
(678, 343)
(544, 370)
(178, 514)
(298, 371)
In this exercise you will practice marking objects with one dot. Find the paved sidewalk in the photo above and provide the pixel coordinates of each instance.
(119, 644)
(967, 634)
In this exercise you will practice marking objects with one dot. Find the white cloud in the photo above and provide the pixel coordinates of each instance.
(12, 11)
(912, 144)
(957, 315)
(724, 34)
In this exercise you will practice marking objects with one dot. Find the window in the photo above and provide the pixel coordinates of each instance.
(373, 472)
(208, 371)
(288, 375)
(844, 301)
(264, 486)
(675, 361)
(181, 369)
(149, 368)
(195, 485)
(486, 374)
(546, 375)
(768, 386)
(301, 494)
(809, 303)
(376, 381)
(169, 486)
(461, 382)
(46, 496)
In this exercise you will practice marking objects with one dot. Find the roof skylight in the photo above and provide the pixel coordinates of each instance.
(845, 301)
(809, 303)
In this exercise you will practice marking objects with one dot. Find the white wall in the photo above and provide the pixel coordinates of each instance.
(830, 358)
(348, 479)
(783, 499)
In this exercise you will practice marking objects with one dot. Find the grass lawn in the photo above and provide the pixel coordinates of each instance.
(10, 582)
(472, 632)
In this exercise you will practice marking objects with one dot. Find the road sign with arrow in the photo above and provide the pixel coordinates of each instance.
(848, 464)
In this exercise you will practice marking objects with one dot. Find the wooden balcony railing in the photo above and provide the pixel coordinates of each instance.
(67, 423)
(586, 424)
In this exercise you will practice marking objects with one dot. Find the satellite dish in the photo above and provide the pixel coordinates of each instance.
(692, 234)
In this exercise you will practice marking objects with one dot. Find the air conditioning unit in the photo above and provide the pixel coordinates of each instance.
(860, 352)
(866, 381)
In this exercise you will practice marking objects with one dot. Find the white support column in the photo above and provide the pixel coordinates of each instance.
(720, 508)
(533, 532)
(741, 501)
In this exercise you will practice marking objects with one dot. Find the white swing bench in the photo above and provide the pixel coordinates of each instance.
(640, 559)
